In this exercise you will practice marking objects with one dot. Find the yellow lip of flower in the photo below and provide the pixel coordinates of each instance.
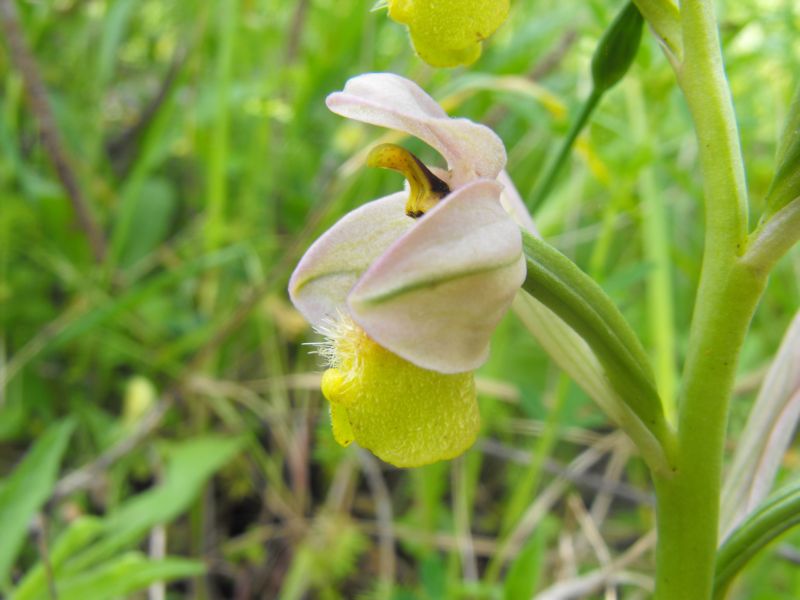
(448, 33)
(405, 415)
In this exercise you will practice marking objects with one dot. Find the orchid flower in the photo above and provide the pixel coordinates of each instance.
(448, 33)
(408, 288)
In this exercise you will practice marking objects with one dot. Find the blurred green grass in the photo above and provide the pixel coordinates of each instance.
(199, 135)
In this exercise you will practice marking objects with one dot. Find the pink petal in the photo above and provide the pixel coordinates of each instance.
(471, 150)
(331, 266)
(437, 294)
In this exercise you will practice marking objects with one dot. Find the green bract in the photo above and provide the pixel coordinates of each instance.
(785, 185)
(449, 33)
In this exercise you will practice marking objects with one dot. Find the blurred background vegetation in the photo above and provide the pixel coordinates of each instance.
(160, 419)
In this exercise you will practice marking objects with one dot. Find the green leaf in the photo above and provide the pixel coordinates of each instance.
(523, 575)
(75, 538)
(90, 541)
(433, 576)
(122, 576)
(134, 297)
(151, 220)
(779, 513)
(117, 21)
(561, 286)
(190, 465)
(27, 489)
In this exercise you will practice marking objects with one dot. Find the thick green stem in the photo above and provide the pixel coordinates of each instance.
(688, 502)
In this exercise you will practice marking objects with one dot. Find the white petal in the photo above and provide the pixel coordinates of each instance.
(332, 265)
(471, 150)
(437, 294)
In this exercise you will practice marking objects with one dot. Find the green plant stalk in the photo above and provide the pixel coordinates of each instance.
(553, 168)
(612, 59)
(688, 501)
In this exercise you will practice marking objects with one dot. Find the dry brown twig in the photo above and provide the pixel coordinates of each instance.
(615, 573)
(24, 61)
(461, 512)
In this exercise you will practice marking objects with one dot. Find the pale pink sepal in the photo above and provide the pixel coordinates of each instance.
(515, 205)
(471, 150)
(330, 268)
(437, 294)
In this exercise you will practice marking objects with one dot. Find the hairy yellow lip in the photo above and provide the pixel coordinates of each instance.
(426, 188)
(448, 33)
(406, 415)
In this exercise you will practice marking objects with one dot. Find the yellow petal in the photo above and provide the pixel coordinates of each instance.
(405, 415)
(447, 33)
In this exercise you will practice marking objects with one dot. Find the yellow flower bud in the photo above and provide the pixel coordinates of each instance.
(405, 415)
(140, 396)
(448, 33)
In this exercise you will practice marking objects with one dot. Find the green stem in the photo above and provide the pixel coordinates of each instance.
(688, 502)
(553, 168)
